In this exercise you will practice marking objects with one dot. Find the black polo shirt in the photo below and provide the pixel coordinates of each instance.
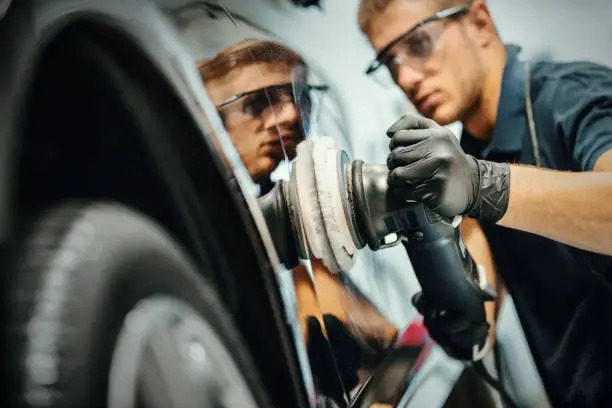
(565, 313)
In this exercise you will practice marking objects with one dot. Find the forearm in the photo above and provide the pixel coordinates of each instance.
(480, 251)
(573, 208)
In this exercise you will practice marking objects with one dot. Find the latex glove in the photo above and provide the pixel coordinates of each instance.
(335, 373)
(428, 165)
(322, 363)
(337, 360)
(458, 335)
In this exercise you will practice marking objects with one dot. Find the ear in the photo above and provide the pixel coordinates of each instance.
(482, 24)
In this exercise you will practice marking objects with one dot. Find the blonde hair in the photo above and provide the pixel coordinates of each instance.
(247, 52)
(370, 9)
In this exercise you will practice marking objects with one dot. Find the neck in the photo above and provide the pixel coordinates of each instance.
(481, 121)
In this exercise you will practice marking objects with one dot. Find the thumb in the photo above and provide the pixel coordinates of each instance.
(411, 122)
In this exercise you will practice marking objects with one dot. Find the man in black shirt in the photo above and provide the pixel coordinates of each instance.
(534, 167)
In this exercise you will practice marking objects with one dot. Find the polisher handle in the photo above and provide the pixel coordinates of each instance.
(444, 268)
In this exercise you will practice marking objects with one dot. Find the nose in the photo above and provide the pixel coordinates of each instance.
(284, 113)
(408, 79)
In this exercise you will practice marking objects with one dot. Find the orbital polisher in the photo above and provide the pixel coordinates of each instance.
(332, 206)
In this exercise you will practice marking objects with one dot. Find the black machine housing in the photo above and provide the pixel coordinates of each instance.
(448, 275)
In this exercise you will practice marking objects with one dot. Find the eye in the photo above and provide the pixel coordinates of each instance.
(419, 44)
(255, 104)
(392, 63)
(285, 94)
(388, 61)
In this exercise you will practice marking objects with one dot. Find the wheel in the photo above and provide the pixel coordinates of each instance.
(101, 309)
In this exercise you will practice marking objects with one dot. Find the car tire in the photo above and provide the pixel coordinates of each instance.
(101, 308)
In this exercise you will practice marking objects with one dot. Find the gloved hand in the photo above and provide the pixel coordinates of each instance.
(427, 165)
(458, 335)
(335, 361)
(332, 380)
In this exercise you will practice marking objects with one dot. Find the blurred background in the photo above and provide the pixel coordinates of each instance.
(553, 28)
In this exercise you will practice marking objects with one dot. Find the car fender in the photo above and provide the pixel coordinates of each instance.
(32, 24)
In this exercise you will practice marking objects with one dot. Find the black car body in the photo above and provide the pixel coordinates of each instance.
(101, 101)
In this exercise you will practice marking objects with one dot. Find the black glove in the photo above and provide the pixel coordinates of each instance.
(459, 335)
(427, 165)
(330, 378)
(335, 363)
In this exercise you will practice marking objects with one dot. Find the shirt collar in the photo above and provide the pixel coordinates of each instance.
(508, 131)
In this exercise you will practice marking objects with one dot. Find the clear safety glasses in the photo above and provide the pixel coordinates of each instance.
(253, 104)
(416, 45)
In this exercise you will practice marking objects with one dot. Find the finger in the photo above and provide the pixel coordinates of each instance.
(404, 156)
(409, 184)
(425, 192)
(412, 137)
(336, 328)
(341, 337)
(315, 332)
(411, 121)
(412, 174)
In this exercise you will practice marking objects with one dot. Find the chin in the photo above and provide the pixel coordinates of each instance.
(444, 115)
(261, 168)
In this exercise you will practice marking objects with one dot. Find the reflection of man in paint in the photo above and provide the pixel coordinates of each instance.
(250, 82)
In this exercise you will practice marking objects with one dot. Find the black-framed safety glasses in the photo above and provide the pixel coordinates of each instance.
(252, 104)
(417, 44)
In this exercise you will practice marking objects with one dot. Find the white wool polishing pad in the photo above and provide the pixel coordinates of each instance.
(342, 242)
(311, 216)
(325, 160)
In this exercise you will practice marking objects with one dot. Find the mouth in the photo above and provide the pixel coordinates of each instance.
(428, 103)
(286, 144)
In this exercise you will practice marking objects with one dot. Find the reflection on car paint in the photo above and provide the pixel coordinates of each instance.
(269, 100)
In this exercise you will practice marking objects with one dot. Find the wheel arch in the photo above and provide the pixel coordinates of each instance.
(77, 139)
(54, 161)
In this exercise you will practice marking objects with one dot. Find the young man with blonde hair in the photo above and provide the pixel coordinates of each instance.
(534, 167)
(252, 83)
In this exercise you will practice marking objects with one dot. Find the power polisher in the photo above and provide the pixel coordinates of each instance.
(332, 206)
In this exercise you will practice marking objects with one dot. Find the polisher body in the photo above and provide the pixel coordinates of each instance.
(338, 206)
(452, 284)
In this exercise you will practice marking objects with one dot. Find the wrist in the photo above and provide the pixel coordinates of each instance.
(491, 190)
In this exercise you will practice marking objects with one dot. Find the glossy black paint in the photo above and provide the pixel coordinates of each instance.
(68, 131)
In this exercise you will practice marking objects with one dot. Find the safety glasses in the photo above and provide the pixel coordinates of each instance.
(416, 45)
(253, 104)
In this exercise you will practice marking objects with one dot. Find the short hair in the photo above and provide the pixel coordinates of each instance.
(370, 9)
(247, 52)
